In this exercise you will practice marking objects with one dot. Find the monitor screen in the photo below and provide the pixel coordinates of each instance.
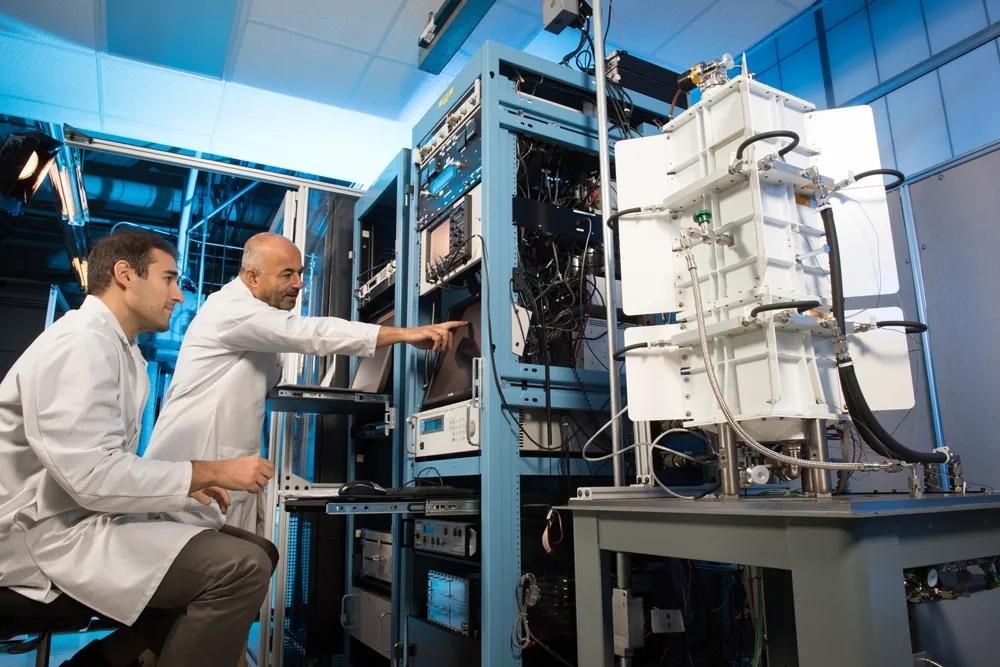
(372, 373)
(451, 380)
(439, 242)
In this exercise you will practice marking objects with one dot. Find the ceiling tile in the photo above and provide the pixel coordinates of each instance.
(644, 26)
(387, 86)
(50, 113)
(70, 21)
(28, 73)
(321, 140)
(145, 131)
(401, 42)
(296, 65)
(359, 25)
(191, 35)
(729, 26)
(157, 95)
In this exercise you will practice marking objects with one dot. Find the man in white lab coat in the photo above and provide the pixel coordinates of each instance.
(79, 511)
(230, 358)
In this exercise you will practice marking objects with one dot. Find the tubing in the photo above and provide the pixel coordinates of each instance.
(800, 306)
(871, 431)
(773, 134)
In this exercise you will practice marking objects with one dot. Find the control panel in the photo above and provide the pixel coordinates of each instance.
(449, 245)
(376, 285)
(446, 537)
(450, 429)
(450, 159)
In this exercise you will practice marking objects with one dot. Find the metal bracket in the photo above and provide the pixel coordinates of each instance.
(390, 418)
(293, 482)
(627, 621)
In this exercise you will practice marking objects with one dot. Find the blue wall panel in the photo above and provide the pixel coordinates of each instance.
(763, 56)
(970, 86)
(993, 10)
(802, 75)
(852, 58)
(884, 131)
(771, 77)
(948, 21)
(796, 34)
(836, 11)
(900, 37)
(918, 133)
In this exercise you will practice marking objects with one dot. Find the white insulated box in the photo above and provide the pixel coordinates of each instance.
(777, 368)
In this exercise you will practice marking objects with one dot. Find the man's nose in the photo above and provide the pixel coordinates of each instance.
(176, 295)
(297, 281)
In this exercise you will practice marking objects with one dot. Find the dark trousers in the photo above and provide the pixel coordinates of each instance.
(201, 613)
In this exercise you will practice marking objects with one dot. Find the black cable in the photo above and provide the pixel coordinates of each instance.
(613, 218)
(620, 354)
(773, 134)
(800, 306)
(909, 326)
(871, 431)
(900, 177)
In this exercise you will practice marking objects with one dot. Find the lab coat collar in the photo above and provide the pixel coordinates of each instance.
(92, 304)
(239, 286)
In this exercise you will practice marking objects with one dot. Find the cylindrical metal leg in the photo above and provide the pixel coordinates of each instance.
(815, 480)
(729, 476)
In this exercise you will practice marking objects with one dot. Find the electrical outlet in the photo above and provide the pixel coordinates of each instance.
(666, 621)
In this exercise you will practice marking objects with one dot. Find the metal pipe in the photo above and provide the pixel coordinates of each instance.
(917, 273)
(222, 207)
(166, 231)
(623, 563)
(816, 480)
(219, 245)
(183, 246)
(729, 476)
(201, 266)
(611, 299)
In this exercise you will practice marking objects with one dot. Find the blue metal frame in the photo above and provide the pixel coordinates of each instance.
(505, 113)
(394, 181)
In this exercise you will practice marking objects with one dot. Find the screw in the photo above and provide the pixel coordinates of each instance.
(687, 414)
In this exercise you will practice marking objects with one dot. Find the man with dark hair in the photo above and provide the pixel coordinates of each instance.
(80, 512)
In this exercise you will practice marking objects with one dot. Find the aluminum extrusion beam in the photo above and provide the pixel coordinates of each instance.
(165, 157)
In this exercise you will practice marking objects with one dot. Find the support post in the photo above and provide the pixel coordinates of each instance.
(815, 480)
(729, 477)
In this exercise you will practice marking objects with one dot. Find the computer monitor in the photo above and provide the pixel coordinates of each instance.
(451, 380)
(372, 373)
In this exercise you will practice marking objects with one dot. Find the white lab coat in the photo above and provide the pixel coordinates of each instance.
(74, 497)
(229, 360)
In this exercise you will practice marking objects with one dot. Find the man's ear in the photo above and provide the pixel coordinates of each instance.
(123, 273)
(252, 278)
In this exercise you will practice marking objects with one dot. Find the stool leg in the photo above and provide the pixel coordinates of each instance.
(42, 652)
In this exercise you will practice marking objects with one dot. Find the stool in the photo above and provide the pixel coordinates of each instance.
(22, 616)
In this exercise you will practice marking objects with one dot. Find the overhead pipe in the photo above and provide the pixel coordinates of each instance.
(183, 246)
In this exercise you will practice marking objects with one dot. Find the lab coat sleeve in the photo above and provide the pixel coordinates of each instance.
(269, 329)
(74, 423)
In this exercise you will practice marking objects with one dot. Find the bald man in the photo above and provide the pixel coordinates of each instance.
(230, 358)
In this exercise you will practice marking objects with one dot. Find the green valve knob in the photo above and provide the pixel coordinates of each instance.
(703, 216)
